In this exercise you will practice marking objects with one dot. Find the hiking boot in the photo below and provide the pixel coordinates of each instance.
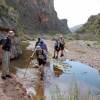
(3, 77)
(9, 76)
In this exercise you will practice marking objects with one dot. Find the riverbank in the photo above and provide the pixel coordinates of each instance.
(11, 89)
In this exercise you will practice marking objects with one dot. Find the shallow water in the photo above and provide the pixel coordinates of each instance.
(78, 81)
(84, 73)
(29, 79)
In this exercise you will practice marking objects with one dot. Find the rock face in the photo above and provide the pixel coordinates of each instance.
(8, 20)
(7, 17)
(92, 25)
(16, 49)
(36, 16)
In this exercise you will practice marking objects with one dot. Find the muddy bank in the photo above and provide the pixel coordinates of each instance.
(85, 51)
(11, 89)
(31, 81)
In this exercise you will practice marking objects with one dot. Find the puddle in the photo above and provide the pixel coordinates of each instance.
(78, 81)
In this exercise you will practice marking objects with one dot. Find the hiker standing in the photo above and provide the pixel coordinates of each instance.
(6, 47)
(56, 48)
(62, 45)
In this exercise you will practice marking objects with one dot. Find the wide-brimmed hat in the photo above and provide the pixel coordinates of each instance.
(11, 33)
(38, 48)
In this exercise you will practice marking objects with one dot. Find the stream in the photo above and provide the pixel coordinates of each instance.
(77, 82)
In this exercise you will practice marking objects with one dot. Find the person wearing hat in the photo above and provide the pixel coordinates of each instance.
(6, 47)
(41, 58)
(40, 55)
(62, 45)
(56, 49)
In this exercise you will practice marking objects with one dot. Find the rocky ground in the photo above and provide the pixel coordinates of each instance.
(85, 51)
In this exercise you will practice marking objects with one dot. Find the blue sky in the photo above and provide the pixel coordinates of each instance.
(76, 11)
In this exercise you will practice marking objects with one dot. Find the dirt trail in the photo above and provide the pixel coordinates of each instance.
(11, 89)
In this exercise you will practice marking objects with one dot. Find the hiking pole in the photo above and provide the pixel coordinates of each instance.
(30, 59)
(27, 67)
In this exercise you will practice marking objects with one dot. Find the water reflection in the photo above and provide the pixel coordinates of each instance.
(75, 80)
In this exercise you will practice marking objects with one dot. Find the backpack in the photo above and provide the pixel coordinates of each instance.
(43, 46)
(6, 44)
(62, 43)
(57, 45)
(41, 55)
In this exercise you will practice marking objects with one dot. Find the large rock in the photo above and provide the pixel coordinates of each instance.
(7, 17)
(16, 49)
(92, 25)
(36, 16)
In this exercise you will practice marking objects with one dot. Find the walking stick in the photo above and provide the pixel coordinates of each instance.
(30, 59)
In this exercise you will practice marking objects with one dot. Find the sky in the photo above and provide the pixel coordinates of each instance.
(76, 11)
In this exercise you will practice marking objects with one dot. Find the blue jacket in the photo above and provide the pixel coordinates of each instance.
(43, 46)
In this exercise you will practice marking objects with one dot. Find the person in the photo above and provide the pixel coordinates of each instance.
(6, 46)
(56, 48)
(38, 41)
(41, 58)
(62, 45)
(43, 45)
